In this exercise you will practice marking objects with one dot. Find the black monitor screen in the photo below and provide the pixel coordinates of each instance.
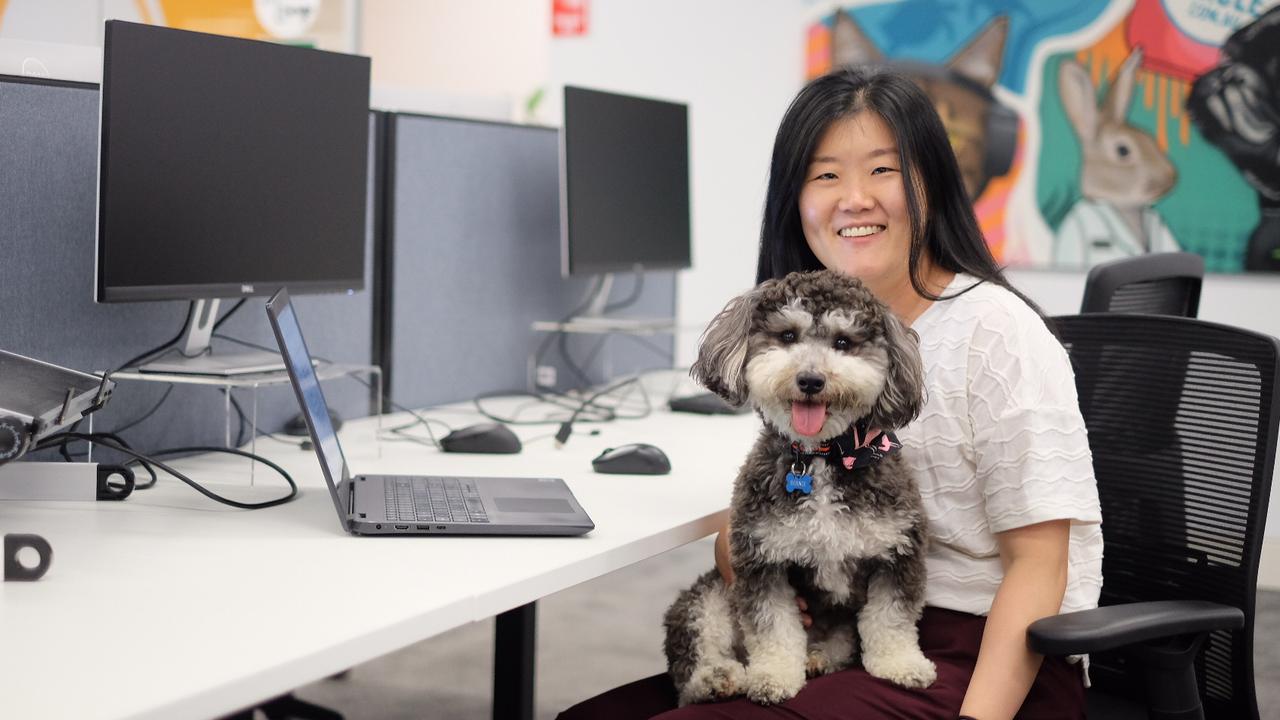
(625, 200)
(229, 167)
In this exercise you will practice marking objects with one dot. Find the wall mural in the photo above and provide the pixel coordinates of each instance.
(1093, 130)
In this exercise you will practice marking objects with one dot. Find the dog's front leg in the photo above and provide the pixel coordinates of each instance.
(772, 634)
(887, 625)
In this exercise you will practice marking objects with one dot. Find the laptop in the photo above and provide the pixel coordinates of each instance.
(414, 504)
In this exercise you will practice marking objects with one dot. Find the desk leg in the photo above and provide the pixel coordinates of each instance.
(514, 644)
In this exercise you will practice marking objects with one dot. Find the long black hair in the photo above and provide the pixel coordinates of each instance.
(949, 233)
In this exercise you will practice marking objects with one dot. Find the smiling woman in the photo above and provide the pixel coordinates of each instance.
(864, 182)
(853, 208)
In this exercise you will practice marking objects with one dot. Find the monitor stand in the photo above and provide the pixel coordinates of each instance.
(593, 318)
(196, 357)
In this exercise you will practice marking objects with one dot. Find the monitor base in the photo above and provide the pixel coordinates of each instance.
(219, 365)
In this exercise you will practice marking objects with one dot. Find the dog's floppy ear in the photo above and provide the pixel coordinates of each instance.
(903, 393)
(722, 350)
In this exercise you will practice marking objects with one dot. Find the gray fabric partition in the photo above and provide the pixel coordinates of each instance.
(475, 253)
(48, 167)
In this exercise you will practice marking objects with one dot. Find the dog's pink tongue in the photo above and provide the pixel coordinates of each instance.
(807, 418)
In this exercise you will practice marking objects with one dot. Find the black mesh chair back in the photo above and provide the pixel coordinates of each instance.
(1182, 417)
(1157, 284)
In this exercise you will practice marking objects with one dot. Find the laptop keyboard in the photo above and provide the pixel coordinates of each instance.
(433, 499)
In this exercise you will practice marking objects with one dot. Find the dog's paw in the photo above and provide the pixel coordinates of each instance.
(714, 682)
(820, 663)
(770, 686)
(908, 668)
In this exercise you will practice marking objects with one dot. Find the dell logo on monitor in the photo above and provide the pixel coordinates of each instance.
(246, 289)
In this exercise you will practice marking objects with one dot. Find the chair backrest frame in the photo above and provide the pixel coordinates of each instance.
(1154, 391)
(1158, 283)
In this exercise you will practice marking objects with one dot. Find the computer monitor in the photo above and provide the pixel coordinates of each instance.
(625, 184)
(228, 168)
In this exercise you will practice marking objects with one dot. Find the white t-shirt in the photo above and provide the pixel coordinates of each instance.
(999, 444)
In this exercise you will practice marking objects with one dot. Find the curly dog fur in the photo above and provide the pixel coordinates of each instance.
(810, 348)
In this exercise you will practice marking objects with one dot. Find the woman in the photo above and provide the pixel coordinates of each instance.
(863, 181)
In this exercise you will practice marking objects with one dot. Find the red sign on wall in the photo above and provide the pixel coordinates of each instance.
(568, 18)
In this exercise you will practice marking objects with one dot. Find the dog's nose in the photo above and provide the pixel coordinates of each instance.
(810, 383)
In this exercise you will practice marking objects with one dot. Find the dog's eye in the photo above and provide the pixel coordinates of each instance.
(843, 343)
(787, 337)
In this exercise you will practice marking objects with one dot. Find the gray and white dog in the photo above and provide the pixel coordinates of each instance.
(822, 508)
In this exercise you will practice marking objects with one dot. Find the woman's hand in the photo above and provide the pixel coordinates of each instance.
(725, 567)
(722, 555)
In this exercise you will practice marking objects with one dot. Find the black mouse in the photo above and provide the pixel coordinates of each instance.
(633, 459)
(297, 425)
(481, 438)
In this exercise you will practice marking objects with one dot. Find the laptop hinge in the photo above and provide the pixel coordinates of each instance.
(351, 502)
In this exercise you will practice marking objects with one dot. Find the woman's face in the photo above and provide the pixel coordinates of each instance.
(853, 205)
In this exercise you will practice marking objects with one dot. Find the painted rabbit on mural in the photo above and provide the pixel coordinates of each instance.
(1122, 173)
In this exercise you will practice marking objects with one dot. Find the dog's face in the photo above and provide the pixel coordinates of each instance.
(813, 352)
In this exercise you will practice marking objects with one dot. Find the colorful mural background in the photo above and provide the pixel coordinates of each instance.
(1108, 160)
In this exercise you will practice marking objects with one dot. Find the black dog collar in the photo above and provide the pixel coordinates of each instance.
(860, 446)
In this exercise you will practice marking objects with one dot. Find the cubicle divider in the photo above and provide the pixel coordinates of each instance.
(473, 252)
(462, 256)
(48, 186)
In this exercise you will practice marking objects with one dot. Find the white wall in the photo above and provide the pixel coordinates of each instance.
(737, 65)
(475, 58)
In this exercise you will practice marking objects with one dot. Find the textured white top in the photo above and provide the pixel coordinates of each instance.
(1000, 444)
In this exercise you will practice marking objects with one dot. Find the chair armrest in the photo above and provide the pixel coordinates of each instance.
(1115, 626)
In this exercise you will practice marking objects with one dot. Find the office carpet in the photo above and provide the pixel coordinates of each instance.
(591, 638)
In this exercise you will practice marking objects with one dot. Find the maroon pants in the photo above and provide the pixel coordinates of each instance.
(951, 639)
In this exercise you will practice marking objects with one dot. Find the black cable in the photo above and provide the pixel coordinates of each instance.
(137, 359)
(418, 419)
(228, 315)
(566, 428)
(66, 454)
(562, 344)
(255, 346)
(241, 422)
(547, 398)
(134, 423)
(552, 336)
(630, 299)
(144, 459)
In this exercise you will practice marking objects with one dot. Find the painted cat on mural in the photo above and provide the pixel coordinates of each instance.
(983, 133)
(1122, 173)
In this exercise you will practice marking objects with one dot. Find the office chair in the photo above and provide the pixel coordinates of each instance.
(1158, 284)
(1182, 417)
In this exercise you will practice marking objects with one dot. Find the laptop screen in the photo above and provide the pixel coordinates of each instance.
(298, 360)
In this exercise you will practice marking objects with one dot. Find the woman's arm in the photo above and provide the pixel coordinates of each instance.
(1035, 579)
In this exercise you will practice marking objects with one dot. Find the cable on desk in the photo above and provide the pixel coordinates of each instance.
(566, 428)
(147, 461)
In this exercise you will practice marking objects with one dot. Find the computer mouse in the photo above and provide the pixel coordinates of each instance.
(633, 459)
(297, 425)
(481, 438)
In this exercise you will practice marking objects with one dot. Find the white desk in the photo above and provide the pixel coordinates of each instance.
(168, 605)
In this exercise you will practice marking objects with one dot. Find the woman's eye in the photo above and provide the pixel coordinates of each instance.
(881, 170)
(826, 176)
(843, 343)
(787, 337)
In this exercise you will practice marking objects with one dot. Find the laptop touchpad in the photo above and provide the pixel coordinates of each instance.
(533, 505)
